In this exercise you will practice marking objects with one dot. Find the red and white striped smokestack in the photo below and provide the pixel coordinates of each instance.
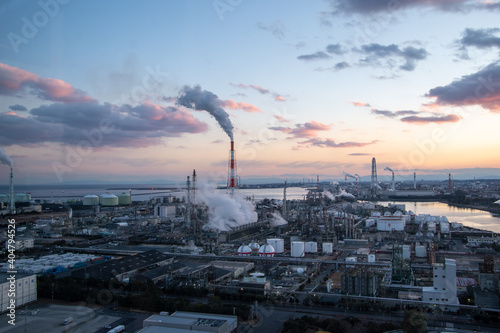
(232, 183)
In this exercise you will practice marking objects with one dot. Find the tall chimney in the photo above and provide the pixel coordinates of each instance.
(415, 180)
(374, 176)
(283, 213)
(232, 181)
(193, 197)
(12, 201)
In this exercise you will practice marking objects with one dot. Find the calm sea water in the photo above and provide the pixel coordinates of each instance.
(468, 217)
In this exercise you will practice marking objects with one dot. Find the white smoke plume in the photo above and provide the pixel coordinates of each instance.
(348, 175)
(195, 98)
(388, 169)
(225, 211)
(5, 159)
(342, 193)
(277, 220)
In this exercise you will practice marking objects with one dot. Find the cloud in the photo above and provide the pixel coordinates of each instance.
(100, 124)
(281, 119)
(277, 29)
(330, 143)
(359, 154)
(335, 49)
(451, 118)
(481, 38)
(230, 104)
(18, 107)
(320, 55)
(218, 141)
(411, 55)
(394, 114)
(481, 88)
(306, 130)
(14, 81)
(277, 97)
(368, 7)
(360, 104)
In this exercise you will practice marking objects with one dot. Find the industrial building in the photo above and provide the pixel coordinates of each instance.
(183, 322)
(443, 292)
(25, 290)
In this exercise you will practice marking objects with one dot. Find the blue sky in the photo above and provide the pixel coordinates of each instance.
(311, 87)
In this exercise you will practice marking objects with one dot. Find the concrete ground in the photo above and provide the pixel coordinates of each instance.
(50, 317)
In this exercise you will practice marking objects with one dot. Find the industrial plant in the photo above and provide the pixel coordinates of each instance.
(335, 248)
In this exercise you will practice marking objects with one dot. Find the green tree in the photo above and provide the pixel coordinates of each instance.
(414, 321)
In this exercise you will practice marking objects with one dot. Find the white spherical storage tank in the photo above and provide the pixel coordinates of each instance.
(277, 243)
(108, 199)
(311, 247)
(244, 250)
(298, 249)
(22, 197)
(254, 246)
(90, 200)
(327, 247)
(266, 250)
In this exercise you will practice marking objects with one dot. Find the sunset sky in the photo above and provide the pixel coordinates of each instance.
(89, 89)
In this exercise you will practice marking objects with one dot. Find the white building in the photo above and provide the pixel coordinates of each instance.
(391, 223)
(443, 293)
(180, 322)
(25, 290)
(23, 243)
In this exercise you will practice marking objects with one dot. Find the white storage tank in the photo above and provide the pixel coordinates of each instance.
(406, 252)
(431, 226)
(311, 247)
(298, 249)
(124, 198)
(244, 250)
(266, 250)
(351, 259)
(328, 248)
(22, 197)
(90, 200)
(108, 199)
(371, 258)
(277, 243)
(420, 251)
(254, 246)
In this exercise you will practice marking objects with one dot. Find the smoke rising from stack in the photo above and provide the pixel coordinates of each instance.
(342, 193)
(5, 159)
(197, 99)
(388, 169)
(348, 175)
(225, 211)
(277, 220)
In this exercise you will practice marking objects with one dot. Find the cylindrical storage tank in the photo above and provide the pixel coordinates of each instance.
(298, 249)
(22, 197)
(4, 197)
(108, 199)
(406, 252)
(420, 251)
(327, 247)
(244, 250)
(90, 200)
(266, 250)
(277, 243)
(124, 199)
(311, 247)
(254, 246)
(371, 258)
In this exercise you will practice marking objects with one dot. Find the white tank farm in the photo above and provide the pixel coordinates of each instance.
(108, 199)
(371, 258)
(431, 226)
(311, 247)
(90, 200)
(328, 248)
(124, 198)
(420, 251)
(266, 250)
(244, 250)
(298, 249)
(277, 243)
